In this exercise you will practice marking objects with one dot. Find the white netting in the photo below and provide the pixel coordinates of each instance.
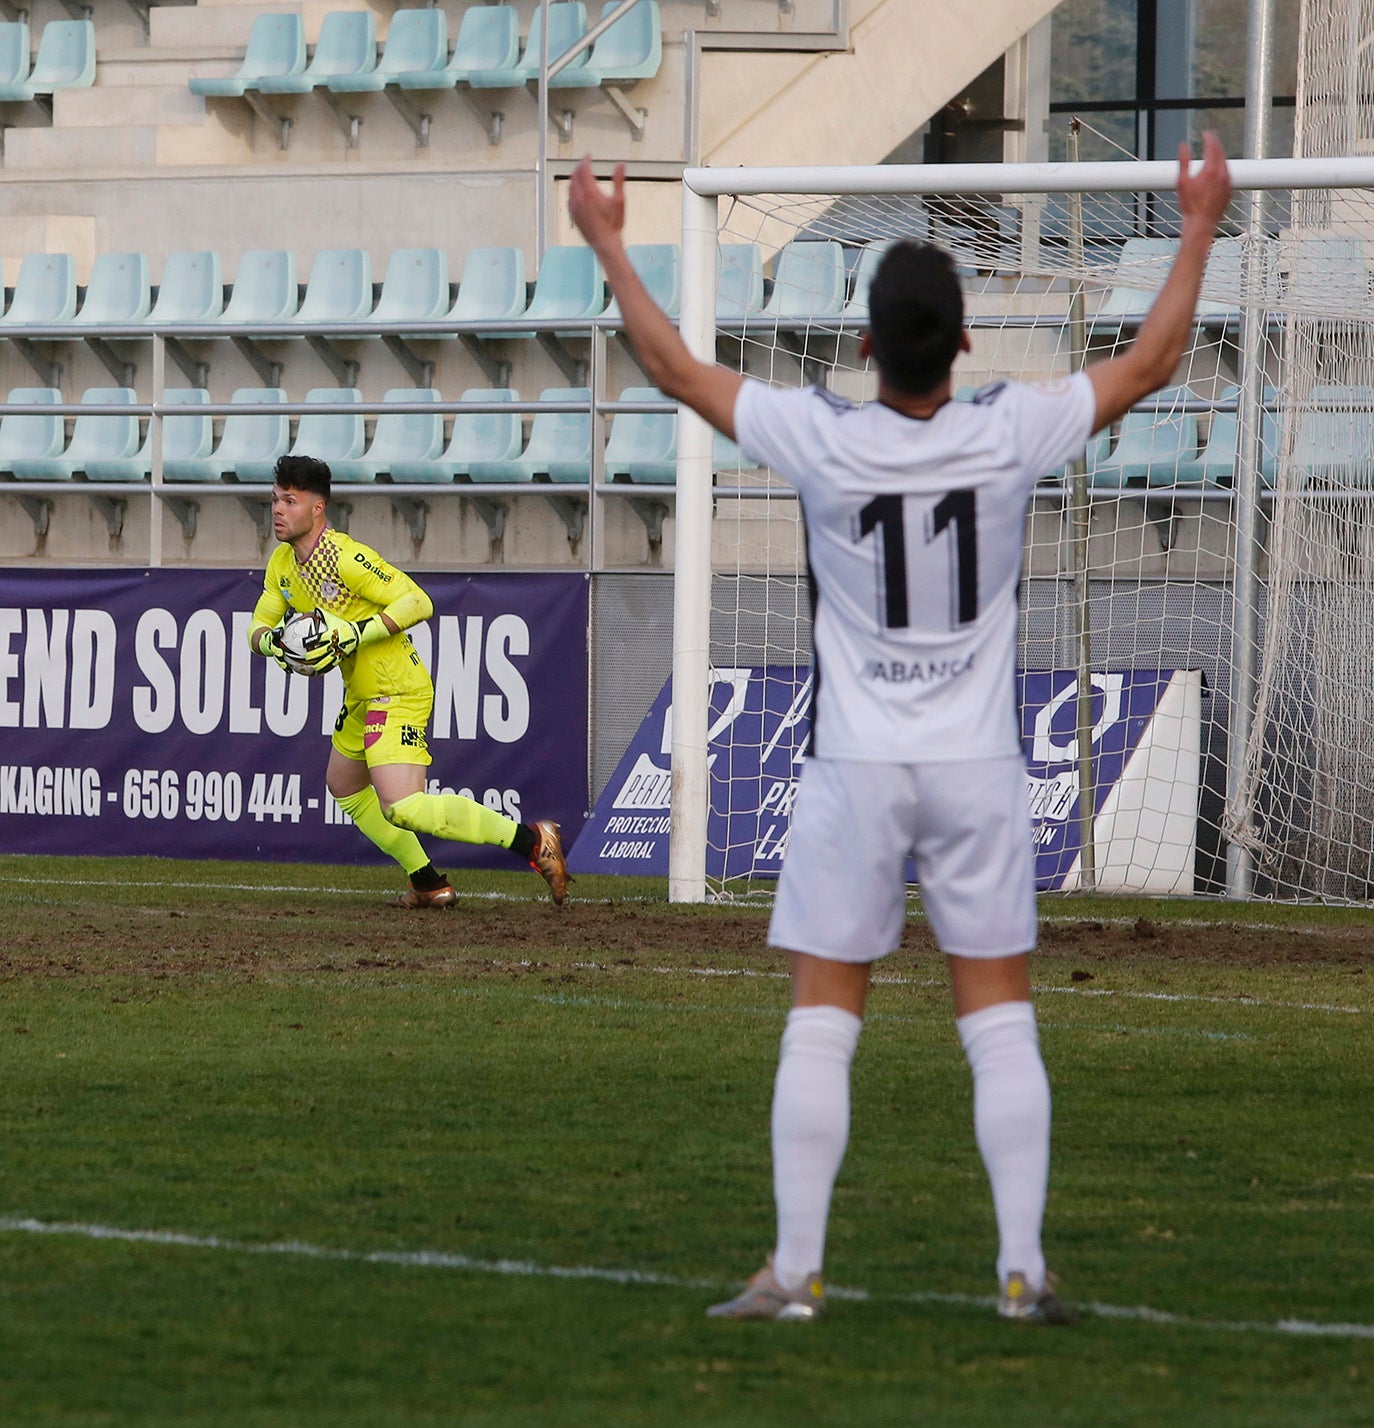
(1161, 525)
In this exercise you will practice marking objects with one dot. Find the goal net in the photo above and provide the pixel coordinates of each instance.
(1198, 596)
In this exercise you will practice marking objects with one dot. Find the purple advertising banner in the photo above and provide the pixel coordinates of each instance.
(135, 719)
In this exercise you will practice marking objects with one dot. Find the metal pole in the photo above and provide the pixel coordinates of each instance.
(691, 789)
(155, 432)
(541, 198)
(1245, 591)
(1078, 559)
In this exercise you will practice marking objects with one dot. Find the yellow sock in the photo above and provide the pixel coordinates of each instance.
(450, 815)
(366, 812)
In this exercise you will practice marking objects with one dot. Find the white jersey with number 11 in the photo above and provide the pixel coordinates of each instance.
(915, 530)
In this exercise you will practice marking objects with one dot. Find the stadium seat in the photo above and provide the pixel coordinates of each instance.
(480, 437)
(417, 42)
(488, 39)
(567, 23)
(15, 59)
(560, 445)
(492, 286)
(632, 49)
(264, 288)
(1143, 265)
(248, 446)
(191, 291)
(347, 46)
(1218, 460)
(276, 46)
(339, 289)
(726, 457)
(1154, 448)
(30, 438)
(330, 436)
(415, 288)
(1334, 442)
(118, 292)
(104, 446)
(809, 282)
(65, 60)
(1314, 269)
(408, 439)
(45, 292)
(739, 287)
(642, 446)
(866, 262)
(659, 267)
(570, 285)
(187, 441)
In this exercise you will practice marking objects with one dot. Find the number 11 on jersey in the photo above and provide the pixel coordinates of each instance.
(887, 515)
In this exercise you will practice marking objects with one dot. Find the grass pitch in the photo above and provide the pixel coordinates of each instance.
(276, 1155)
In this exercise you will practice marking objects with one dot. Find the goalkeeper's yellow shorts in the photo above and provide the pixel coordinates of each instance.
(386, 729)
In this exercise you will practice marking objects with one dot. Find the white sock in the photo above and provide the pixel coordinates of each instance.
(1011, 1122)
(810, 1132)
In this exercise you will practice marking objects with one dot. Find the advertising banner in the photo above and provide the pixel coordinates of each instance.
(758, 733)
(134, 718)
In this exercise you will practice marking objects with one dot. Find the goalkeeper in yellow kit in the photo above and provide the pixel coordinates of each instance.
(377, 764)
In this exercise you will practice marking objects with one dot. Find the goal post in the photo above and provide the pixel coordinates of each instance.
(1260, 444)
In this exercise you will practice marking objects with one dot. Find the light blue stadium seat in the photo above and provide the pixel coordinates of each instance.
(15, 59)
(632, 49)
(248, 445)
(492, 286)
(1157, 448)
(407, 439)
(482, 436)
(567, 23)
(347, 46)
(1223, 276)
(809, 282)
(1316, 267)
(1219, 456)
(416, 42)
(659, 266)
(191, 291)
(415, 288)
(104, 446)
(642, 446)
(45, 292)
(276, 45)
(65, 60)
(488, 39)
(570, 285)
(865, 266)
(330, 436)
(118, 292)
(339, 289)
(30, 438)
(1334, 443)
(187, 441)
(726, 457)
(1141, 269)
(560, 445)
(264, 288)
(739, 286)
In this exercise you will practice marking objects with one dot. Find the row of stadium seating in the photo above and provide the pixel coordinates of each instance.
(487, 53)
(487, 447)
(812, 280)
(65, 59)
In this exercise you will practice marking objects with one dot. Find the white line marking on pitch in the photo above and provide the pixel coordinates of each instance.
(442, 1259)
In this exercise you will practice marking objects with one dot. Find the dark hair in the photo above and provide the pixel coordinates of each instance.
(302, 473)
(915, 316)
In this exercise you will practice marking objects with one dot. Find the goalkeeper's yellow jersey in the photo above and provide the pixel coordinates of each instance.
(351, 580)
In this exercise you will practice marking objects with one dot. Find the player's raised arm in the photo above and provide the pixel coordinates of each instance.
(1148, 363)
(708, 389)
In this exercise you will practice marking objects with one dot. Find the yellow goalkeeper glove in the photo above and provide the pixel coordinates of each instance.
(343, 638)
(269, 644)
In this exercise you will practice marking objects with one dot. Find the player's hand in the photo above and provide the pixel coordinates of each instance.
(1204, 196)
(269, 644)
(340, 636)
(599, 216)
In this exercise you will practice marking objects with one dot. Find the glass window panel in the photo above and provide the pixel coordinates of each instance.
(1093, 51)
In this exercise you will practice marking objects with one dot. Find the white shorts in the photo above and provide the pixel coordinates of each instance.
(842, 893)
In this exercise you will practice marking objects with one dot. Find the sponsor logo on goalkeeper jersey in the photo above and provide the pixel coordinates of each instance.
(933, 671)
(367, 565)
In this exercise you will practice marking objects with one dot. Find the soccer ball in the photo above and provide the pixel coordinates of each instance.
(302, 628)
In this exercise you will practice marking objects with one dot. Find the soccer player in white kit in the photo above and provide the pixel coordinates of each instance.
(914, 507)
